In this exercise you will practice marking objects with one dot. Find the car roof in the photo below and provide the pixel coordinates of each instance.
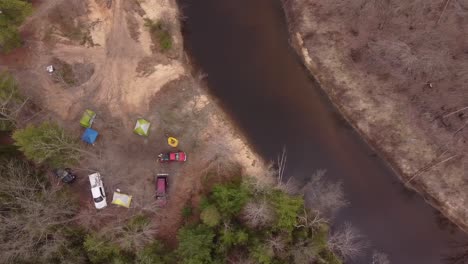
(94, 175)
(96, 192)
(161, 184)
(95, 179)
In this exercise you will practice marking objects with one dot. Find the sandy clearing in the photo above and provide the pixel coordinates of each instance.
(157, 9)
(138, 93)
(116, 83)
(99, 19)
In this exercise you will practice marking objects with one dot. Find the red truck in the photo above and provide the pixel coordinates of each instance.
(161, 189)
(179, 156)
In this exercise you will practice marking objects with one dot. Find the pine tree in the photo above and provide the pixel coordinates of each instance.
(12, 15)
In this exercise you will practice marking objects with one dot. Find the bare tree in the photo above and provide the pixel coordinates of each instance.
(379, 258)
(278, 244)
(91, 219)
(323, 198)
(132, 234)
(288, 186)
(303, 253)
(311, 219)
(347, 242)
(32, 216)
(11, 102)
(258, 214)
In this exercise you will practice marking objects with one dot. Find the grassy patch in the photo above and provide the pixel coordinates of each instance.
(71, 74)
(66, 73)
(14, 12)
(160, 34)
(11, 102)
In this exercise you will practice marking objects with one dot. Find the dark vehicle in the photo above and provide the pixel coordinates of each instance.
(161, 190)
(65, 175)
(172, 156)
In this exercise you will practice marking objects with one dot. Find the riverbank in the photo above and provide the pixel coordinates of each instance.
(403, 126)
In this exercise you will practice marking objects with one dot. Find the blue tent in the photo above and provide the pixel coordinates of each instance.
(89, 136)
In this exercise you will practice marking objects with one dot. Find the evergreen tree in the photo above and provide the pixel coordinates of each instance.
(12, 14)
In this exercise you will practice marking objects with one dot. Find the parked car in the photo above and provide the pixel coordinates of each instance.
(97, 190)
(161, 189)
(172, 156)
(65, 175)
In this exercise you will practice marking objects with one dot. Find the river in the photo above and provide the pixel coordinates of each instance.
(242, 46)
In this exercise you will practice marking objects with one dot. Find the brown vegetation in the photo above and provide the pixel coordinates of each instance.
(398, 72)
(33, 214)
(347, 242)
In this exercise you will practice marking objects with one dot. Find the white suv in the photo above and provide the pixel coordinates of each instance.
(97, 190)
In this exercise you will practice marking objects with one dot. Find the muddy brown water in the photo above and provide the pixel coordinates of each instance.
(242, 46)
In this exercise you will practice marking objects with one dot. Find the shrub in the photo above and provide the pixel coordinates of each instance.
(154, 253)
(72, 251)
(14, 12)
(327, 257)
(262, 254)
(11, 101)
(230, 237)
(47, 143)
(134, 235)
(287, 209)
(100, 250)
(320, 238)
(195, 244)
(165, 40)
(160, 34)
(230, 199)
(210, 216)
(187, 211)
(137, 223)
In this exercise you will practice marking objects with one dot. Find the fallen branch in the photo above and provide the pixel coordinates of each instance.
(282, 164)
(454, 112)
(461, 128)
(443, 11)
(430, 167)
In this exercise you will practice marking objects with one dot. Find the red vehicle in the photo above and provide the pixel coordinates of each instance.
(172, 156)
(161, 189)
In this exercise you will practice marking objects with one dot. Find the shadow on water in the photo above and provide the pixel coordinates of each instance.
(242, 46)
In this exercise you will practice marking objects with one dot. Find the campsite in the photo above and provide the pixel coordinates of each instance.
(121, 149)
(126, 101)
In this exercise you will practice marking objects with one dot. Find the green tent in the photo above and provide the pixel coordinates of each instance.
(88, 118)
(142, 127)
